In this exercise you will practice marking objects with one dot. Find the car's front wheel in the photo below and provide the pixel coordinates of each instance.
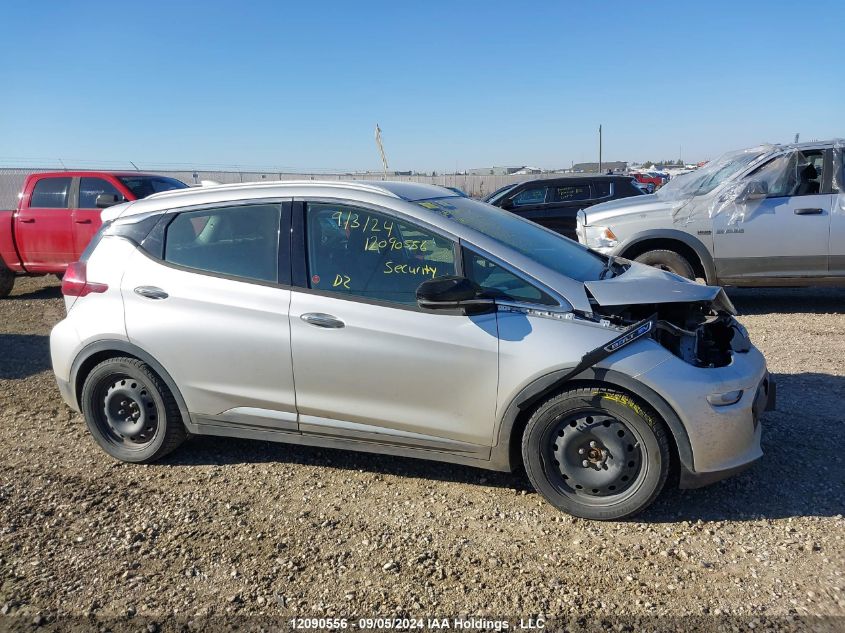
(130, 412)
(596, 453)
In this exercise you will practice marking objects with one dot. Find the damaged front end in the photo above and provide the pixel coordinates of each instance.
(699, 333)
(693, 321)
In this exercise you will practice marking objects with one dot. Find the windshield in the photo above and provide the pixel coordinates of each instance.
(548, 248)
(143, 186)
(713, 174)
(498, 194)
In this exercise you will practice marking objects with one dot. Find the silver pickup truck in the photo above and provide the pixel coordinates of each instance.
(772, 215)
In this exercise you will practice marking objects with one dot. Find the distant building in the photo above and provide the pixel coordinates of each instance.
(501, 171)
(375, 175)
(616, 165)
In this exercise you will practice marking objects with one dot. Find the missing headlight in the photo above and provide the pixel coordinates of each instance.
(698, 333)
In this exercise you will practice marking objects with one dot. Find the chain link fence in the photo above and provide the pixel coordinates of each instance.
(477, 186)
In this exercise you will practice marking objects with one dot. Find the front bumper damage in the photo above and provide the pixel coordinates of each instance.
(724, 439)
(715, 380)
(764, 400)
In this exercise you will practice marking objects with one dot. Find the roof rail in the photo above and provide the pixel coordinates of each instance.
(340, 184)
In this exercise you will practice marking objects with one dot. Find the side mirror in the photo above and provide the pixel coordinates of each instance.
(755, 190)
(105, 200)
(453, 293)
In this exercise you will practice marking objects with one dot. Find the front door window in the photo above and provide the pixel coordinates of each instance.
(369, 255)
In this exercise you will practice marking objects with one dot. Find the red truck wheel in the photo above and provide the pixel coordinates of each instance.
(7, 281)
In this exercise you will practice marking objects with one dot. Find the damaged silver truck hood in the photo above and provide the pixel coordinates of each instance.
(642, 284)
(649, 204)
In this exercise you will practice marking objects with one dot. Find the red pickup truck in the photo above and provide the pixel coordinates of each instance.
(58, 214)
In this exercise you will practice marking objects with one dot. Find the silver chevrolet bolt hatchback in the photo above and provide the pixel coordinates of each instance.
(403, 319)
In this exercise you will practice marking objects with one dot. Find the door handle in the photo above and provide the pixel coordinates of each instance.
(26, 220)
(151, 292)
(322, 320)
(809, 211)
(88, 221)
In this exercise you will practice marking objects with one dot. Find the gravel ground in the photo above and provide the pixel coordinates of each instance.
(237, 528)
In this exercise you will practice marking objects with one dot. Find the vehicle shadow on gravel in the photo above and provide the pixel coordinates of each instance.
(45, 292)
(788, 300)
(23, 355)
(208, 450)
(801, 474)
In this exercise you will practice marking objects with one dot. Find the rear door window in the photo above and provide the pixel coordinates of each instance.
(362, 253)
(238, 241)
(572, 193)
(50, 193)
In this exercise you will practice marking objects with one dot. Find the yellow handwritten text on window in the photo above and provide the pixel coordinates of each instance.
(425, 270)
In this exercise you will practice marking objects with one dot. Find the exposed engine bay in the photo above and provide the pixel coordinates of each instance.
(697, 332)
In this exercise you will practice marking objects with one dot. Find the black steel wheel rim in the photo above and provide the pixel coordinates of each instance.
(126, 412)
(594, 456)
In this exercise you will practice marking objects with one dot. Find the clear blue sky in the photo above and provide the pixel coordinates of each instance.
(466, 84)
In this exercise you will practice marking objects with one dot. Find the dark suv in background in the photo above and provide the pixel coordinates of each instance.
(555, 202)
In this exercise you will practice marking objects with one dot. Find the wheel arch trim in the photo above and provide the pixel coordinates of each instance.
(534, 392)
(116, 347)
(696, 245)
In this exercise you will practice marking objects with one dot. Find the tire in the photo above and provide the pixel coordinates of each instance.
(7, 280)
(594, 426)
(120, 387)
(668, 260)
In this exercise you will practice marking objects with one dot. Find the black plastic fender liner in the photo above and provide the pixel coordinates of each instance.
(118, 347)
(557, 380)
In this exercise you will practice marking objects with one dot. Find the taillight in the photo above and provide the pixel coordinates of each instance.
(75, 282)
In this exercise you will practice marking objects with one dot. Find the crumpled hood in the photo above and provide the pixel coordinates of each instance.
(599, 213)
(642, 284)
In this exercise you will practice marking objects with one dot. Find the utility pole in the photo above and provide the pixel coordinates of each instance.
(381, 150)
(600, 170)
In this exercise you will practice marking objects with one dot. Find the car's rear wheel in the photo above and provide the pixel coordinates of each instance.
(669, 261)
(7, 280)
(130, 411)
(596, 453)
